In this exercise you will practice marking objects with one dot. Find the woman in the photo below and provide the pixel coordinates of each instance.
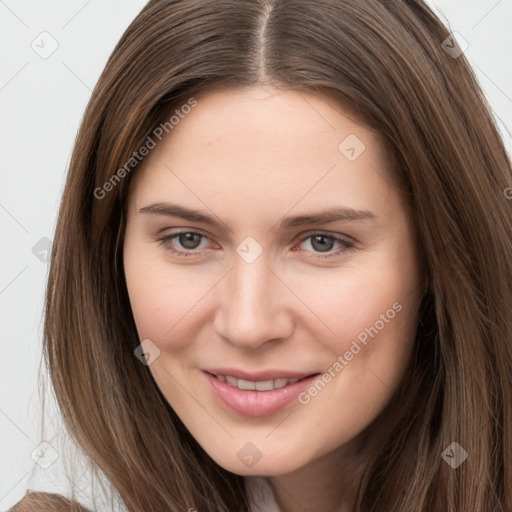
(204, 352)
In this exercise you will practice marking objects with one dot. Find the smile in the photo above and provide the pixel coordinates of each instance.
(256, 398)
(262, 385)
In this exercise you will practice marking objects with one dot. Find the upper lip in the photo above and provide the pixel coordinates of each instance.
(260, 375)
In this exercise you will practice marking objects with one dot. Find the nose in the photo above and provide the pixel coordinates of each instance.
(255, 305)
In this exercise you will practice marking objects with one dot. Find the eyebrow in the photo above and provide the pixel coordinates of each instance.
(322, 217)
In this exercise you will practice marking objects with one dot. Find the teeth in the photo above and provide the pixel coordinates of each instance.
(246, 384)
(232, 380)
(263, 385)
(280, 383)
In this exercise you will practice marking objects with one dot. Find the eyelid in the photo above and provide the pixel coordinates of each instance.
(301, 237)
(329, 234)
(347, 242)
(166, 239)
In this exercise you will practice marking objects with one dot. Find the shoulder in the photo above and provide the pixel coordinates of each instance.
(46, 502)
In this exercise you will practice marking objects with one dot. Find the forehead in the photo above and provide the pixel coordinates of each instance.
(279, 144)
(278, 118)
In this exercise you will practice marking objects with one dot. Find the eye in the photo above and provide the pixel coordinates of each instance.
(188, 240)
(324, 242)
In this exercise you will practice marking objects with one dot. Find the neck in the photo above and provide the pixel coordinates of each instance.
(331, 482)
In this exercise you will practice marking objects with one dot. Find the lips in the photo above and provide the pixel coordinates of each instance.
(254, 402)
(262, 385)
(260, 375)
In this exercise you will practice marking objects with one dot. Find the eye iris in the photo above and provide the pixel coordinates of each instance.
(321, 243)
(187, 240)
(322, 247)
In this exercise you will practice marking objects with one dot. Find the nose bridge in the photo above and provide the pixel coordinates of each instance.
(251, 311)
(250, 282)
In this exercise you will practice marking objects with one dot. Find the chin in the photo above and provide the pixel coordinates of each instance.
(266, 466)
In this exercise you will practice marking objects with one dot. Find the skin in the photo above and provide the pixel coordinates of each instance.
(250, 158)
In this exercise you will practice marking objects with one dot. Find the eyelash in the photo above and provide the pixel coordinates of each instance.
(347, 244)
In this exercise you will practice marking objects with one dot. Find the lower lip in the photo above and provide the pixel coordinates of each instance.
(257, 403)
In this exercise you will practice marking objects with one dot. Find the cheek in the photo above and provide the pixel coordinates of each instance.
(374, 319)
(370, 312)
(352, 300)
(162, 299)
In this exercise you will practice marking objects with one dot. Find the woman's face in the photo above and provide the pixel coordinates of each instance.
(294, 256)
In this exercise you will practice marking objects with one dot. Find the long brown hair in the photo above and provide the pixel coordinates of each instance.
(386, 62)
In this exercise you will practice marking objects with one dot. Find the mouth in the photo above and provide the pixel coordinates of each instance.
(259, 385)
(257, 398)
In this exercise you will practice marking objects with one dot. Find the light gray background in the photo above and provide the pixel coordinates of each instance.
(41, 104)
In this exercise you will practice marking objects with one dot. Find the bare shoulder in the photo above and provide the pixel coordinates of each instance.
(46, 502)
